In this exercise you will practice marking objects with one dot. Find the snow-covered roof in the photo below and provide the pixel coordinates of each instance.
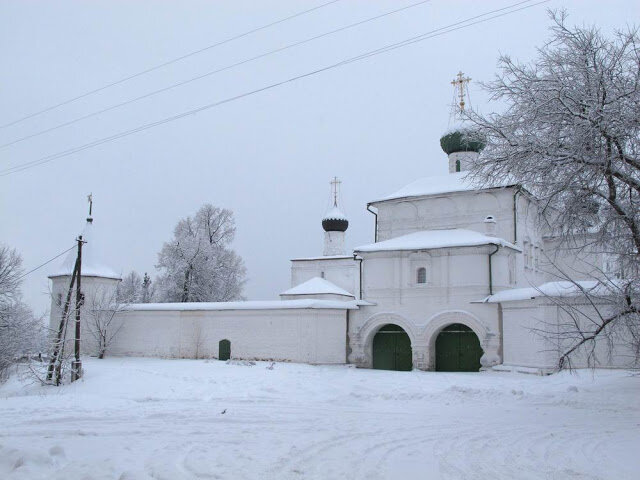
(317, 286)
(453, 182)
(334, 214)
(324, 257)
(249, 305)
(432, 239)
(92, 258)
(549, 289)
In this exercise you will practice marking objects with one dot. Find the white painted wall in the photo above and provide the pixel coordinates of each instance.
(314, 336)
(342, 271)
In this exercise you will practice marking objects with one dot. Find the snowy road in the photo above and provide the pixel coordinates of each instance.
(186, 419)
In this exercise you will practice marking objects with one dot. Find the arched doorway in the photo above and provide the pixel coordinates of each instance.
(458, 349)
(392, 349)
(224, 350)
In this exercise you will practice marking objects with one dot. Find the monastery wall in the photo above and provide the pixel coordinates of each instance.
(525, 345)
(315, 336)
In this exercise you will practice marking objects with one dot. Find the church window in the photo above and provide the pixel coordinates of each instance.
(421, 275)
(321, 274)
(457, 165)
(59, 300)
(525, 252)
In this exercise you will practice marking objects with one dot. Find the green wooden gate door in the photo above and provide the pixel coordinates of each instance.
(224, 350)
(458, 349)
(392, 349)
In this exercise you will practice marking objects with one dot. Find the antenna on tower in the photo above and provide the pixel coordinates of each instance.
(335, 185)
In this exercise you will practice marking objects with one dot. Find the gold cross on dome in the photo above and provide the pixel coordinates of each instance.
(459, 84)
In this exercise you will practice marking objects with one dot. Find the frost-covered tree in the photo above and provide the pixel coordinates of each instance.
(570, 133)
(148, 289)
(130, 288)
(21, 334)
(198, 265)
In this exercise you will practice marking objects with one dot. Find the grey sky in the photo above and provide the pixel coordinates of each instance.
(268, 157)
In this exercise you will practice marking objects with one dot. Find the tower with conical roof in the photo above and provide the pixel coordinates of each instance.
(461, 142)
(334, 224)
(99, 283)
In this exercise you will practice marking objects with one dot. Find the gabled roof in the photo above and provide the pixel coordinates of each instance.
(453, 182)
(432, 239)
(317, 286)
(92, 258)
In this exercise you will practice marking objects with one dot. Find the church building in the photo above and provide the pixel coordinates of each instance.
(454, 280)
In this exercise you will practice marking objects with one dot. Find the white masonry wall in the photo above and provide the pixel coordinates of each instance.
(315, 336)
(342, 271)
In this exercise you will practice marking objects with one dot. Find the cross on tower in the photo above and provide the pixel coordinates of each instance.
(459, 84)
(90, 200)
(335, 184)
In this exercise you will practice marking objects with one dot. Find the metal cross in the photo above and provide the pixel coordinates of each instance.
(459, 85)
(90, 200)
(335, 183)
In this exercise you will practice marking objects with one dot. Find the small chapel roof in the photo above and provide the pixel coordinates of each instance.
(436, 185)
(432, 239)
(317, 286)
(92, 258)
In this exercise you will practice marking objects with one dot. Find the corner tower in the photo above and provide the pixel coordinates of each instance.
(461, 142)
(334, 224)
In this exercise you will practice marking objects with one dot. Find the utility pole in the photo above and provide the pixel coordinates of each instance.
(76, 365)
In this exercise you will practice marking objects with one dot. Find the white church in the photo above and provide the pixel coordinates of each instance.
(452, 281)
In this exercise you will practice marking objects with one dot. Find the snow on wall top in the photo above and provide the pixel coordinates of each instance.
(317, 286)
(549, 289)
(334, 214)
(92, 258)
(451, 183)
(432, 239)
(249, 305)
(324, 257)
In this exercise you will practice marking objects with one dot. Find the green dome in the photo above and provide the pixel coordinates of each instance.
(461, 140)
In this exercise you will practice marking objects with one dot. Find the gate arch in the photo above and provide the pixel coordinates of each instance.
(437, 323)
(371, 327)
(391, 349)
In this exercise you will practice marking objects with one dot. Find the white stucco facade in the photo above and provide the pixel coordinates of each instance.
(444, 253)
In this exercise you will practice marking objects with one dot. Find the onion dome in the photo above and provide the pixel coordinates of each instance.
(335, 221)
(462, 138)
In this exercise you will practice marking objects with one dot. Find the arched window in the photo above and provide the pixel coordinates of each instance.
(457, 165)
(421, 275)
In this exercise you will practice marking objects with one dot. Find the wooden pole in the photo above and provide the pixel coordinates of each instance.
(76, 365)
(61, 329)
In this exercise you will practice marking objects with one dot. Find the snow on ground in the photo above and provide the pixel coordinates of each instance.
(187, 419)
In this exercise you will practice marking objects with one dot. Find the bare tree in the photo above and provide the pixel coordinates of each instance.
(102, 310)
(21, 334)
(198, 265)
(570, 133)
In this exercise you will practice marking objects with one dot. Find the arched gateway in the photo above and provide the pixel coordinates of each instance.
(392, 349)
(458, 349)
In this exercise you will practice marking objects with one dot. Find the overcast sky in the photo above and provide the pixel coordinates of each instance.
(269, 157)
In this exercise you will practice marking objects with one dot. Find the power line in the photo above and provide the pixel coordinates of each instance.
(48, 261)
(434, 33)
(168, 62)
(208, 74)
